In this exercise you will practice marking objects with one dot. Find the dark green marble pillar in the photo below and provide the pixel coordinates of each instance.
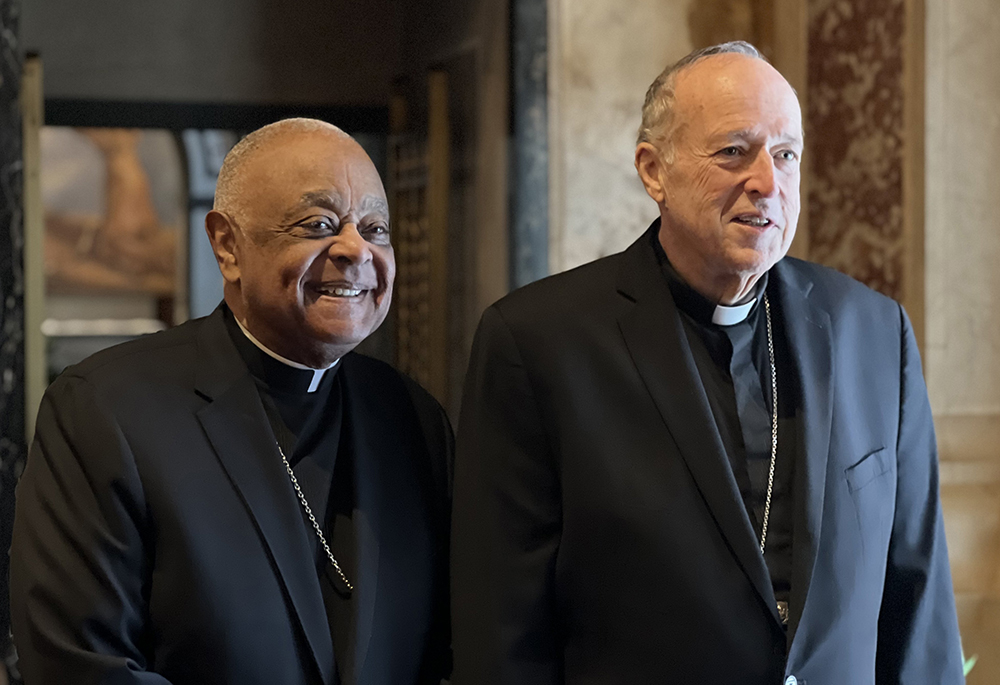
(12, 438)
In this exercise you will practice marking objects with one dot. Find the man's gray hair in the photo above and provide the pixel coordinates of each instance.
(658, 108)
(229, 191)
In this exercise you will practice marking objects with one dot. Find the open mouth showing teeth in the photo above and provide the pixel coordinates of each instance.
(339, 292)
(757, 221)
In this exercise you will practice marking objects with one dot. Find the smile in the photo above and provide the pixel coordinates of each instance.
(750, 220)
(338, 291)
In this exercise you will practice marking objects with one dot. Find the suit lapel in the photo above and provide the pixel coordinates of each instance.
(236, 425)
(658, 346)
(809, 332)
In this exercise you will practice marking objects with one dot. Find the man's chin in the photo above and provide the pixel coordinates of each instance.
(753, 260)
(344, 335)
(748, 267)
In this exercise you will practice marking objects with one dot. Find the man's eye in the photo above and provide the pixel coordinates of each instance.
(731, 151)
(787, 155)
(377, 232)
(318, 224)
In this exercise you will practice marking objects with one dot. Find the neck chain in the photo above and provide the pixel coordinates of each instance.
(782, 605)
(319, 531)
(774, 423)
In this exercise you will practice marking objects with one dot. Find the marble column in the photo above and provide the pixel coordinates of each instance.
(12, 439)
(529, 219)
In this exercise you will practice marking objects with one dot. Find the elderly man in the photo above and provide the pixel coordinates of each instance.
(695, 461)
(242, 499)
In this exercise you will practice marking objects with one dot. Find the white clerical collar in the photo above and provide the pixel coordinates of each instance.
(317, 374)
(727, 316)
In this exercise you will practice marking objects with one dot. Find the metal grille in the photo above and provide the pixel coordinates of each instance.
(412, 244)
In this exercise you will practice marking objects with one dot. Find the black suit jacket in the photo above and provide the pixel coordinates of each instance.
(599, 535)
(158, 539)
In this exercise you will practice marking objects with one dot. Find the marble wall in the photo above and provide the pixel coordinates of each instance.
(602, 57)
(12, 445)
(962, 351)
(855, 139)
(963, 224)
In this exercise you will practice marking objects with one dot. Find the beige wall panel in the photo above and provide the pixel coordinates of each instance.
(603, 56)
(970, 497)
(972, 525)
(963, 224)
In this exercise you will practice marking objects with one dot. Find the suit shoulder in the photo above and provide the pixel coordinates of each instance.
(380, 385)
(135, 358)
(839, 290)
(564, 293)
(386, 376)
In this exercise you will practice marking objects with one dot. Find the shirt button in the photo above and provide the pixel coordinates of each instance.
(791, 680)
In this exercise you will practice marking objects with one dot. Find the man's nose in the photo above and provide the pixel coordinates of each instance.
(350, 246)
(761, 181)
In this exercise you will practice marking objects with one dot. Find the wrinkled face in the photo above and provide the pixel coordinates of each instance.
(731, 195)
(315, 263)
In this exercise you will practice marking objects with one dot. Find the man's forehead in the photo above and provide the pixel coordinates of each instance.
(732, 93)
(722, 65)
(301, 150)
(316, 168)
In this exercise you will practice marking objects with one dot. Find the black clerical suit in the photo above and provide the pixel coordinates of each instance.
(158, 538)
(601, 537)
(733, 362)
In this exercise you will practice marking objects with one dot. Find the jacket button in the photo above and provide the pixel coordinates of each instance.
(791, 680)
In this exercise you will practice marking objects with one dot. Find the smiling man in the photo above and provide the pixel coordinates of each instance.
(243, 499)
(698, 460)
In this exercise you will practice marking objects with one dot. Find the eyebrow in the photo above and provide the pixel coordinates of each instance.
(321, 198)
(374, 203)
(748, 134)
(334, 201)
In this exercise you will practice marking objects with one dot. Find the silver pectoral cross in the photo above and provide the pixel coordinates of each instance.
(783, 612)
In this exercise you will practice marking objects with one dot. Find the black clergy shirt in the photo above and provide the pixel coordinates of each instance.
(308, 427)
(735, 369)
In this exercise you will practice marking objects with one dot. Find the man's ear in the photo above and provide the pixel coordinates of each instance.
(222, 234)
(650, 166)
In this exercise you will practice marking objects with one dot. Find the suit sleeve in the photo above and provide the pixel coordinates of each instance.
(506, 523)
(918, 639)
(80, 560)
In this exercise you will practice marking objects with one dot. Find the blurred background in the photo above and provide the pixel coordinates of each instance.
(504, 131)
